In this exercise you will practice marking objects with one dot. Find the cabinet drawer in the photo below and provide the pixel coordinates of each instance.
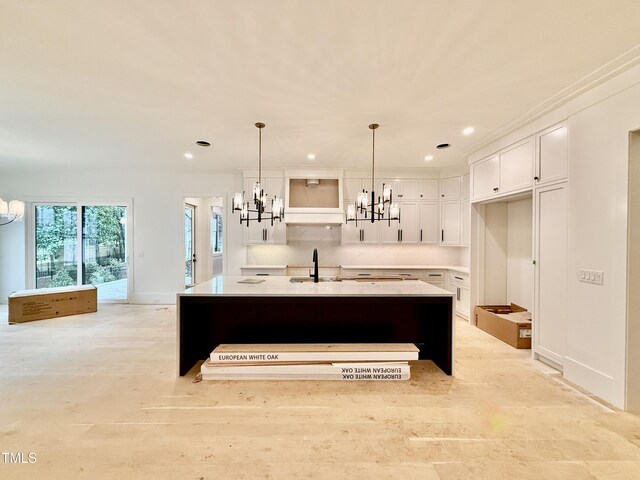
(263, 271)
(456, 278)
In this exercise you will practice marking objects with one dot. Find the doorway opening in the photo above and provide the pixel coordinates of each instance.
(203, 239)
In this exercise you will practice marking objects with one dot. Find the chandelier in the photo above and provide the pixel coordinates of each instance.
(367, 206)
(12, 211)
(259, 198)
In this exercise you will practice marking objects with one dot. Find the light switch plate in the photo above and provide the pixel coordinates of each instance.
(591, 276)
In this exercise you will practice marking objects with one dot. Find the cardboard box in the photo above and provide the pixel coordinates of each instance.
(509, 323)
(29, 305)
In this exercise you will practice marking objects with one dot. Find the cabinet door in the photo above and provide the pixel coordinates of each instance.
(450, 188)
(254, 234)
(463, 303)
(552, 156)
(410, 220)
(273, 187)
(549, 331)
(276, 234)
(409, 189)
(370, 231)
(429, 232)
(430, 189)
(516, 167)
(450, 223)
(351, 233)
(485, 178)
(352, 187)
(466, 186)
(466, 222)
(390, 233)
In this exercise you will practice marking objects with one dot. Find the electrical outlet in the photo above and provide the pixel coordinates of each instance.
(591, 276)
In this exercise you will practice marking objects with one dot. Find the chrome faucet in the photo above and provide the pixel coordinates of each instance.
(315, 266)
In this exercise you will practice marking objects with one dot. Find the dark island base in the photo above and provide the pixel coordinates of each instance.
(205, 322)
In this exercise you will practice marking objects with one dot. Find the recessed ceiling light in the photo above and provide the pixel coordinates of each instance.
(443, 145)
(428, 158)
(188, 155)
(468, 131)
(311, 156)
(203, 143)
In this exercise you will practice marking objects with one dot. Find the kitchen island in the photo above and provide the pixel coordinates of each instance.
(276, 310)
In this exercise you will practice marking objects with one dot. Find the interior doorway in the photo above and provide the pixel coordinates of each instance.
(203, 239)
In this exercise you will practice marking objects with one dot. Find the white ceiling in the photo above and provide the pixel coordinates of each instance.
(131, 85)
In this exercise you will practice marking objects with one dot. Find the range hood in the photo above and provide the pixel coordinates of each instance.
(314, 197)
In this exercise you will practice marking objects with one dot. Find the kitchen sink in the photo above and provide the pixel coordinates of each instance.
(310, 279)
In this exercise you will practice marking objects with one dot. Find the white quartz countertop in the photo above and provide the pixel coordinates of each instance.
(280, 286)
(406, 267)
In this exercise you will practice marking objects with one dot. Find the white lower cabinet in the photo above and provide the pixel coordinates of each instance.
(435, 277)
(458, 284)
(551, 275)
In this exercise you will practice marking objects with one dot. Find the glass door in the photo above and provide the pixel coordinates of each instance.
(79, 244)
(104, 250)
(56, 241)
(189, 245)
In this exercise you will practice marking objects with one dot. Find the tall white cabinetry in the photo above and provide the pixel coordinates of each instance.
(551, 244)
(537, 166)
(550, 291)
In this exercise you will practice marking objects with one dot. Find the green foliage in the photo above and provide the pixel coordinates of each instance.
(53, 226)
(61, 279)
(101, 275)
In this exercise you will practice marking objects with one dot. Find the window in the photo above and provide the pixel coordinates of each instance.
(216, 230)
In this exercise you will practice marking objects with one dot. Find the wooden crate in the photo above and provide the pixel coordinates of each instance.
(43, 303)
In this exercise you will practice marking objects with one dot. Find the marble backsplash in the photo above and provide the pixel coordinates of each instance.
(301, 240)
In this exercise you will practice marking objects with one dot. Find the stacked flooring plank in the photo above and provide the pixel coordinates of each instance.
(336, 361)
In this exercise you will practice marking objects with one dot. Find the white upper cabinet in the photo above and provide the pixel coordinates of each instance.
(450, 228)
(409, 189)
(485, 178)
(450, 188)
(352, 187)
(466, 185)
(551, 155)
(516, 167)
(429, 232)
(507, 171)
(430, 189)
(409, 222)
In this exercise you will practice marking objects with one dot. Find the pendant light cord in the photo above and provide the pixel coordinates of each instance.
(260, 156)
(373, 158)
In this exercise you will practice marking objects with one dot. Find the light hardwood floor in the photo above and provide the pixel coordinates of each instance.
(96, 396)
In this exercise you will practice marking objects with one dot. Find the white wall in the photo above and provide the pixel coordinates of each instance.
(156, 256)
(599, 122)
(495, 254)
(519, 248)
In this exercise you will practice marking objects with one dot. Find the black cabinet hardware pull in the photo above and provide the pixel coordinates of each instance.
(536, 179)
